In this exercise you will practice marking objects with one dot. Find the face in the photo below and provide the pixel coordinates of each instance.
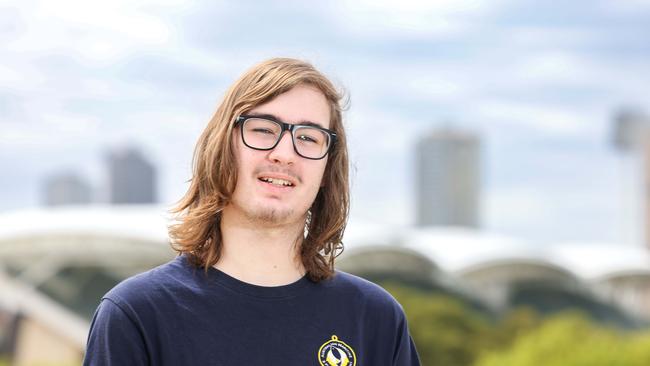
(262, 194)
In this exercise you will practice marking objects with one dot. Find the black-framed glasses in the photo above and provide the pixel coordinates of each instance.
(264, 133)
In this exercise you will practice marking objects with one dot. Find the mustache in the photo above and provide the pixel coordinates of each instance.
(275, 169)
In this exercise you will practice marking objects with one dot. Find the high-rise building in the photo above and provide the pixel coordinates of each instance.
(66, 189)
(448, 179)
(631, 133)
(631, 129)
(132, 179)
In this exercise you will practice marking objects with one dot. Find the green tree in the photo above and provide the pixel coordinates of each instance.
(445, 331)
(513, 325)
(571, 339)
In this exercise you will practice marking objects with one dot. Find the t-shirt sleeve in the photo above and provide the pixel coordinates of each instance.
(114, 338)
(405, 352)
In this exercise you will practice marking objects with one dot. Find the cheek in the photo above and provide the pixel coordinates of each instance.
(320, 176)
(243, 166)
(244, 172)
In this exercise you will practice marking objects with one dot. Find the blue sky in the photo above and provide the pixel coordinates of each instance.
(538, 81)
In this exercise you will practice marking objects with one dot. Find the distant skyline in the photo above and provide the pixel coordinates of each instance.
(539, 83)
(448, 168)
(65, 188)
(131, 177)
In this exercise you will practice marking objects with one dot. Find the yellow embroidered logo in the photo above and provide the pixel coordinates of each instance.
(336, 353)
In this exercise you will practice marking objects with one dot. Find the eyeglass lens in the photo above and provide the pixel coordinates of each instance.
(309, 141)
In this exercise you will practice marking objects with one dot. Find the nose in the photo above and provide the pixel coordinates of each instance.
(283, 152)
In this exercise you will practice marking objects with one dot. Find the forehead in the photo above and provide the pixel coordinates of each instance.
(302, 103)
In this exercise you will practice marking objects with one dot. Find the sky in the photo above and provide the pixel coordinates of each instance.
(538, 82)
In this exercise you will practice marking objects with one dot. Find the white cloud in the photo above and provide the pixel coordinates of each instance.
(562, 194)
(415, 7)
(625, 7)
(550, 120)
(624, 78)
(517, 207)
(437, 87)
(550, 213)
(9, 75)
(551, 67)
(371, 131)
(536, 37)
(492, 79)
(436, 19)
(100, 32)
(53, 133)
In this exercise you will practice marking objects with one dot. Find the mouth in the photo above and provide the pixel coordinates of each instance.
(276, 181)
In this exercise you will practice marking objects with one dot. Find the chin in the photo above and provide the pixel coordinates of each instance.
(273, 215)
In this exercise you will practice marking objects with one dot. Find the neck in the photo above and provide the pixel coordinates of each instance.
(260, 253)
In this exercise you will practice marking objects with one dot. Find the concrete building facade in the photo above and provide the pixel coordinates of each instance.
(448, 179)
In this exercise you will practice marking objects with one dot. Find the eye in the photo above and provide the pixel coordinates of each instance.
(261, 127)
(307, 138)
(262, 130)
(310, 136)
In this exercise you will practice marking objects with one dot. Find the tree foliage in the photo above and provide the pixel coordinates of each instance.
(571, 339)
(446, 331)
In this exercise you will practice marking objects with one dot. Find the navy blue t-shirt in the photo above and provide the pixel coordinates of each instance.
(176, 314)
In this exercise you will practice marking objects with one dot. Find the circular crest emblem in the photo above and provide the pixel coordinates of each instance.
(336, 353)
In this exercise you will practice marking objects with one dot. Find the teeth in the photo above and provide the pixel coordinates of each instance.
(277, 182)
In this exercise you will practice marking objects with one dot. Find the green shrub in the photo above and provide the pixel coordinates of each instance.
(571, 339)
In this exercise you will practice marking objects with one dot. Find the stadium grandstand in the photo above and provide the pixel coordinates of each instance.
(56, 263)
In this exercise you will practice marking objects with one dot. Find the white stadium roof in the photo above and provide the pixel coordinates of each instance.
(453, 249)
(146, 222)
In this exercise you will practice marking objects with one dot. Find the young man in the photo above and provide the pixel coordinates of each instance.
(257, 234)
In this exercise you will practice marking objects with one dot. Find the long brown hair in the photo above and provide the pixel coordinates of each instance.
(197, 231)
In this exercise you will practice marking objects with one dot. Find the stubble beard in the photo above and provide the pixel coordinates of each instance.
(268, 216)
(263, 214)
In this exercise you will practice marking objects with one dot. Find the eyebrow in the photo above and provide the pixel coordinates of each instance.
(275, 118)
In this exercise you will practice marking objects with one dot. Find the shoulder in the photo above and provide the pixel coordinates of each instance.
(150, 286)
(366, 293)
